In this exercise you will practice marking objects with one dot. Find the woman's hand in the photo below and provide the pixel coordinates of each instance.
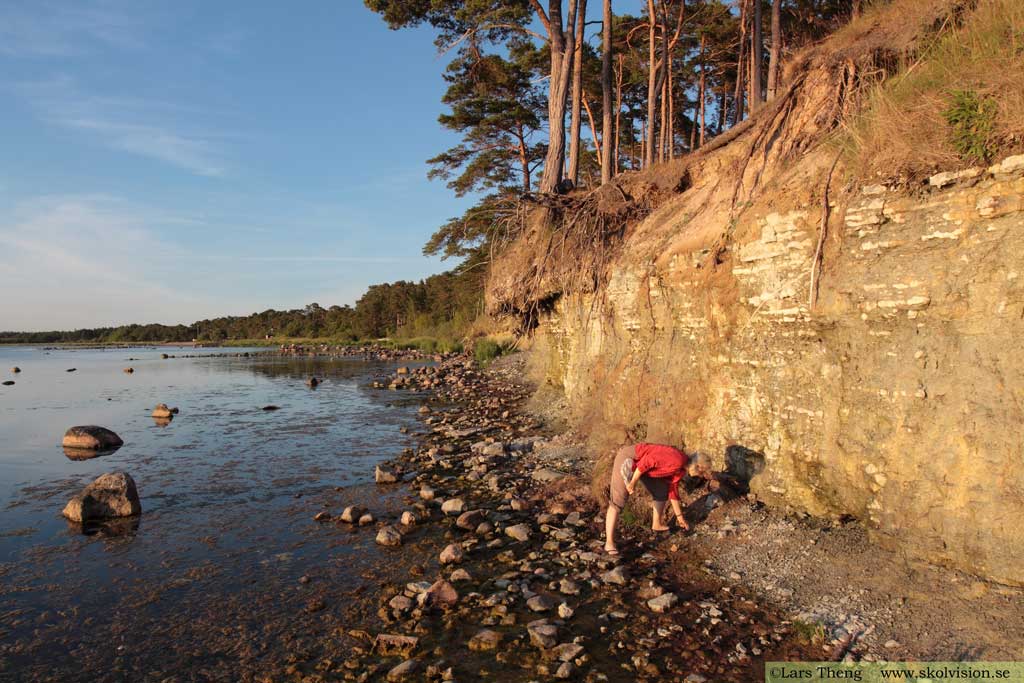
(683, 524)
(630, 488)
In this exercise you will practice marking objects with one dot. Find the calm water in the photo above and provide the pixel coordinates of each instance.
(206, 584)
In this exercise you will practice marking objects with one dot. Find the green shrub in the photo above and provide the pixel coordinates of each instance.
(973, 120)
(485, 350)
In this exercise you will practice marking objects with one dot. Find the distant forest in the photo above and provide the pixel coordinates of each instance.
(441, 306)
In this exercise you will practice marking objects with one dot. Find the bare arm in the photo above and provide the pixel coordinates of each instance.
(631, 484)
(677, 508)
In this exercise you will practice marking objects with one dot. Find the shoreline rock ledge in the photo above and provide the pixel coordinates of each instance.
(111, 495)
(91, 438)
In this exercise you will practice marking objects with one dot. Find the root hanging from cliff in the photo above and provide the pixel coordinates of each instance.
(583, 232)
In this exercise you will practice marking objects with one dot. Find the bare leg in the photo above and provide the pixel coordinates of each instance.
(611, 519)
(657, 516)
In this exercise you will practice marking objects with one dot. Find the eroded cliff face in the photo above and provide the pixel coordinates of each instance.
(897, 397)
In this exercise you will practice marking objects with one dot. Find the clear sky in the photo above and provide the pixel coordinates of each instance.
(170, 160)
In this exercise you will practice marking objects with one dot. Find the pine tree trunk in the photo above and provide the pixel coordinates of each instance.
(774, 57)
(524, 159)
(666, 120)
(722, 104)
(757, 59)
(618, 120)
(560, 42)
(577, 94)
(607, 170)
(667, 110)
(741, 58)
(701, 94)
(652, 87)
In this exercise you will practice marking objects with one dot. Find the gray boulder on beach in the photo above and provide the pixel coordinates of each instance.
(112, 495)
(91, 437)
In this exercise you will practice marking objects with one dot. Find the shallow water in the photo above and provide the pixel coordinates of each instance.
(205, 584)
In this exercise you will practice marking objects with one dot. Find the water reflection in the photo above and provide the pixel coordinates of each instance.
(87, 453)
(119, 527)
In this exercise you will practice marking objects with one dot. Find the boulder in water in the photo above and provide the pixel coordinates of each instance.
(92, 438)
(8, 383)
(161, 411)
(112, 495)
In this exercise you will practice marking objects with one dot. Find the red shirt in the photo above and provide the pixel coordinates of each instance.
(662, 462)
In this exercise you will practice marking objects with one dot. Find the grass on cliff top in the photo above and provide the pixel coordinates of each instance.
(956, 100)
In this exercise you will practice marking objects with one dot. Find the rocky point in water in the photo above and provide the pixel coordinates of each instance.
(111, 495)
(91, 437)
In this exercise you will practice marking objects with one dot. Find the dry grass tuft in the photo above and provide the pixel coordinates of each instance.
(903, 128)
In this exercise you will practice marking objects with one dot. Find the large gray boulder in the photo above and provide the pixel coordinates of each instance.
(91, 438)
(111, 495)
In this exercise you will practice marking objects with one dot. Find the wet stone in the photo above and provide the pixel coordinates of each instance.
(453, 506)
(452, 554)
(663, 603)
(403, 671)
(485, 640)
(616, 576)
(470, 519)
(386, 475)
(351, 514)
(541, 603)
(543, 634)
(389, 536)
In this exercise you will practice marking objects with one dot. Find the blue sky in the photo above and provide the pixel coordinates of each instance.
(170, 161)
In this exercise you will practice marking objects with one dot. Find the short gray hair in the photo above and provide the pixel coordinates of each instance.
(699, 465)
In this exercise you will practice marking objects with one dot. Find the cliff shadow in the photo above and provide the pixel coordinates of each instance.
(741, 465)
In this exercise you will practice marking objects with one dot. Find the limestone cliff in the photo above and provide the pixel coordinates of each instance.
(863, 340)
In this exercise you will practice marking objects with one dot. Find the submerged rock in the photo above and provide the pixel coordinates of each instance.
(8, 383)
(91, 437)
(111, 495)
(389, 536)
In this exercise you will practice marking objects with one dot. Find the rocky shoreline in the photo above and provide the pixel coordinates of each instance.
(521, 589)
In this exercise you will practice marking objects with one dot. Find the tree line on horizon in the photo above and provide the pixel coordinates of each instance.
(440, 306)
